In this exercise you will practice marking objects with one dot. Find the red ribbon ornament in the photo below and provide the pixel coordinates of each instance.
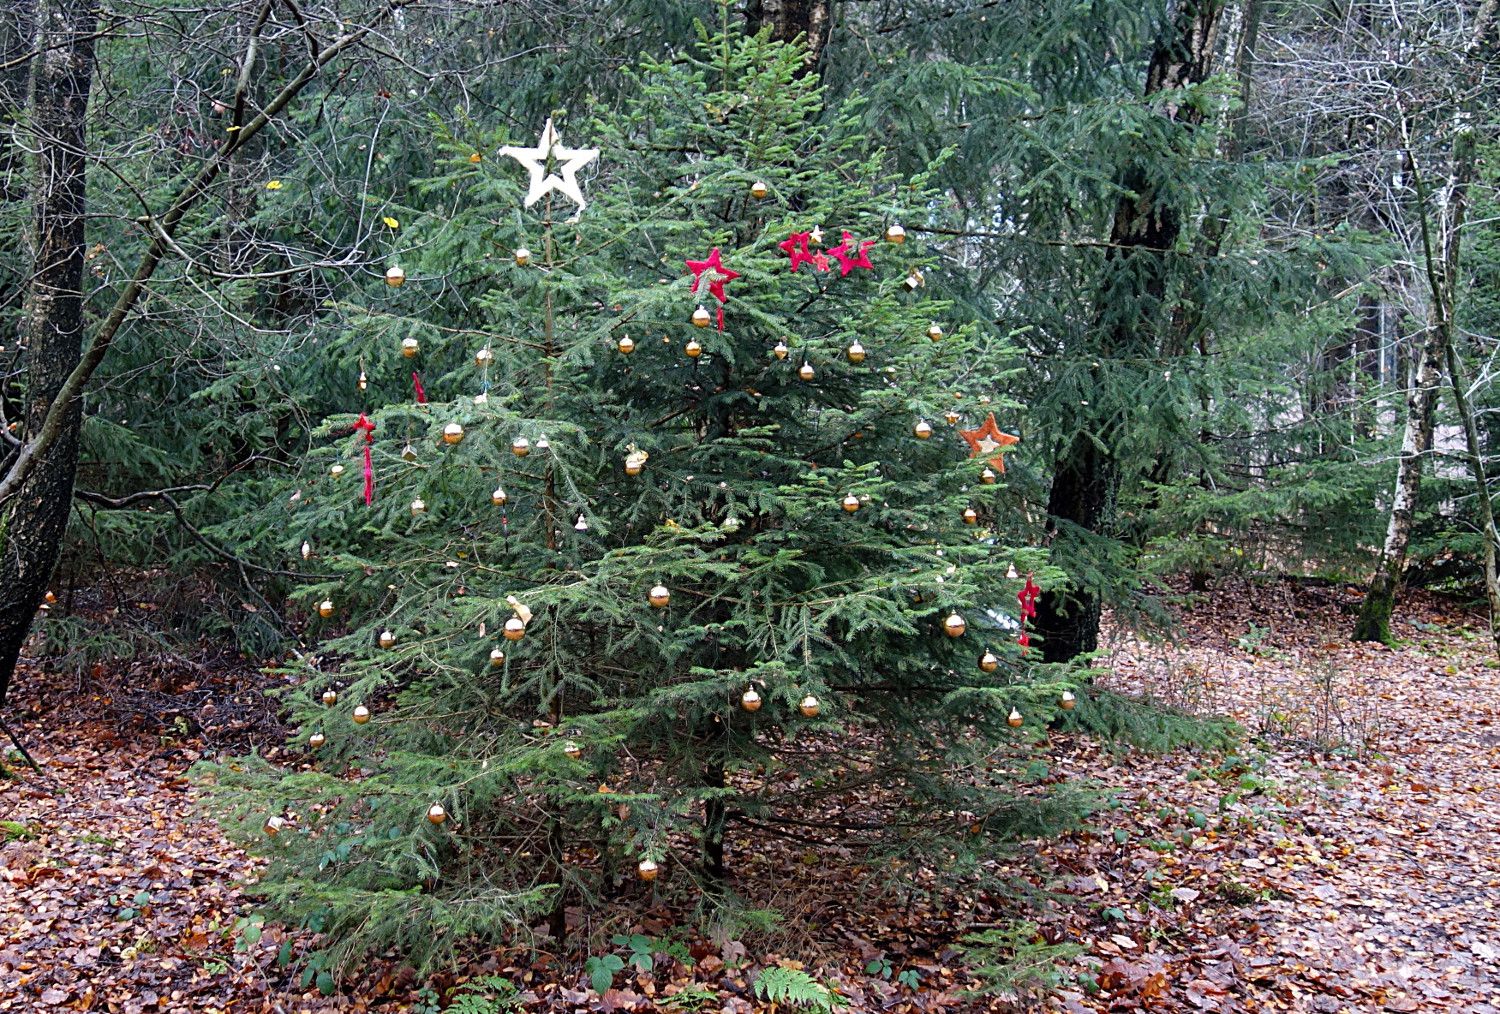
(365, 426)
(416, 383)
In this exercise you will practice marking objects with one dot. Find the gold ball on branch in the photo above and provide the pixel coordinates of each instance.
(515, 629)
(520, 447)
(1014, 720)
(635, 462)
(780, 350)
(855, 353)
(325, 608)
(336, 470)
(498, 496)
(951, 417)
(954, 625)
(395, 276)
(453, 433)
(627, 345)
(922, 430)
(701, 317)
(572, 749)
(484, 357)
(693, 349)
(851, 503)
(361, 715)
(750, 700)
(436, 814)
(274, 825)
(810, 706)
(410, 347)
(989, 661)
(759, 190)
(330, 698)
(806, 372)
(497, 658)
(647, 870)
(523, 256)
(1069, 702)
(894, 233)
(935, 331)
(988, 477)
(387, 639)
(659, 596)
(419, 506)
(316, 740)
(971, 516)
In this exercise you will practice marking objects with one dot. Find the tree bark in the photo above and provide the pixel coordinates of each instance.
(33, 522)
(788, 19)
(17, 36)
(1086, 477)
(1487, 529)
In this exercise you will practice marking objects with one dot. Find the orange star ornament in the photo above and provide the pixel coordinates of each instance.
(989, 441)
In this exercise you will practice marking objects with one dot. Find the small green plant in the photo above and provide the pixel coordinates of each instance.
(644, 950)
(1018, 959)
(691, 999)
(601, 969)
(133, 908)
(14, 830)
(488, 994)
(779, 984)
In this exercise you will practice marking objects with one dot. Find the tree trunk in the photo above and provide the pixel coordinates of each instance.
(1086, 478)
(1487, 528)
(788, 19)
(34, 520)
(17, 31)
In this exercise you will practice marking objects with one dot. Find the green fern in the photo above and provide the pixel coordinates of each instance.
(789, 985)
(488, 994)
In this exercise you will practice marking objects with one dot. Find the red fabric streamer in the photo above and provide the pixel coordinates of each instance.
(416, 383)
(1027, 597)
(365, 426)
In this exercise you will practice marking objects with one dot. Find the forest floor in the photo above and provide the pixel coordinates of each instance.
(1345, 857)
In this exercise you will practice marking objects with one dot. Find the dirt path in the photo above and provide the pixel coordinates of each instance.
(1348, 858)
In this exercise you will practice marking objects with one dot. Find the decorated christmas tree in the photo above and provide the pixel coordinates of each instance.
(667, 510)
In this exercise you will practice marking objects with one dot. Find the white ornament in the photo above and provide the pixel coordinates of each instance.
(570, 160)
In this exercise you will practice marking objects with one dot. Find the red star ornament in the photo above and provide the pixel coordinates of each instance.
(989, 441)
(1027, 596)
(848, 262)
(796, 247)
(713, 270)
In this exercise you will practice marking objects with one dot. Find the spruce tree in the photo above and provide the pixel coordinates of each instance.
(632, 586)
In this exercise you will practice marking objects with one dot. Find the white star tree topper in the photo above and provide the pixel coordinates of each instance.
(549, 147)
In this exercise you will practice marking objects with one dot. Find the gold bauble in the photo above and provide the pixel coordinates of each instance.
(627, 345)
(484, 357)
(274, 825)
(935, 331)
(572, 749)
(780, 350)
(497, 658)
(523, 256)
(515, 629)
(387, 639)
(361, 715)
(806, 371)
(410, 347)
(810, 706)
(988, 477)
(851, 503)
(395, 276)
(954, 625)
(633, 466)
(419, 506)
(336, 470)
(520, 447)
(750, 700)
(895, 234)
(951, 417)
(1069, 702)
(647, 870)
(1014, 721)
(989, 662)
(701, 317)
(659, 596)
(316, 740)
(50, 598)
(758, 189)
(453, 433)
(325, 608)
(436, 814)
(693, 350)
(922, 430)
(498, 496)
(330, 698)
(856, 353)
(971, 516)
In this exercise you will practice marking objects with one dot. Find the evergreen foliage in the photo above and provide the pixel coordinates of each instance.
(613, 732)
